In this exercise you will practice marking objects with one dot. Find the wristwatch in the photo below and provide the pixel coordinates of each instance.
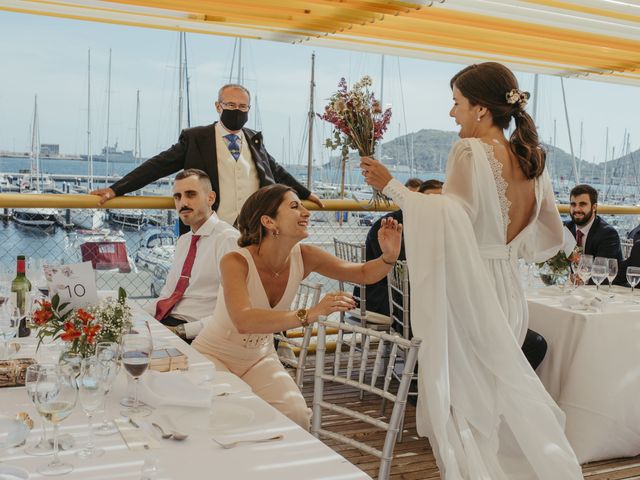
(180, 331)
(303, 317)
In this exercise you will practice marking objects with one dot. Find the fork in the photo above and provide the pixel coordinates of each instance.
(260, 440)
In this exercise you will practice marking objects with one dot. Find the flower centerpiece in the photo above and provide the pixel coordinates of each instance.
(558, 266)
(359, 122)
(83, 328)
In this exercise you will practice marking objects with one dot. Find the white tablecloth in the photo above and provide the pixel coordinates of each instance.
(592, 369)
(298, 455)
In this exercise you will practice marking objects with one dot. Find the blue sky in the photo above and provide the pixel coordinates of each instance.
(48, 57)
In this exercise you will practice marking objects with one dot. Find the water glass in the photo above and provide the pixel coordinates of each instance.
(633, 277)
(612, 265)
(9, 321)
(599, 271)
(136, 355)
(584, 268)
(108, 354)
(91, 395)
(43, 447)
(56, 397)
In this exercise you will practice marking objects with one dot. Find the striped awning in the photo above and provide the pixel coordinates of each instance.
(598, 39)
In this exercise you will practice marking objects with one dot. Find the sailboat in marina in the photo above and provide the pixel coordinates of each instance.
(43, 218)
(85, 218)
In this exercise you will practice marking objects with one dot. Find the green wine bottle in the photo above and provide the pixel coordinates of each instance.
(20, 287)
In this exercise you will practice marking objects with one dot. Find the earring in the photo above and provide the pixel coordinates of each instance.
(276, 233)
(479, 118)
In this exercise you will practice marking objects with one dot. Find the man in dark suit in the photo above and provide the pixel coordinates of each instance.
(377, 294)
(234, 157)
(592, 233)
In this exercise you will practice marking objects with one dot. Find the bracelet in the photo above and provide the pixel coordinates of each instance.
(388, 263)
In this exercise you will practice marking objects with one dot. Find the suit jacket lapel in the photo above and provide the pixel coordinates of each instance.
(593, 232)
(253, 142)
(207, 146)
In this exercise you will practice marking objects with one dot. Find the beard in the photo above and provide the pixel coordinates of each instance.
(584, 220)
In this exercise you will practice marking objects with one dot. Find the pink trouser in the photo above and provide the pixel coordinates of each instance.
(254, 360)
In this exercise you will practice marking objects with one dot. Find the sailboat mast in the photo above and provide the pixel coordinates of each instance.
(106, 156)
(535, 98)
(312, 87)
(381, 99)
(239, 76)
(186, 80)
(606, 155)
(89, 154)
(35, 144)
(180, 84)
(566, 116)
(137, 144)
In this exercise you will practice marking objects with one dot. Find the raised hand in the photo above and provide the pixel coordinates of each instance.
(374, 172)
(332, 302)
(390, 239)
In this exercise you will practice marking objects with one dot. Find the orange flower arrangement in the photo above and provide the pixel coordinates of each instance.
(82, 328)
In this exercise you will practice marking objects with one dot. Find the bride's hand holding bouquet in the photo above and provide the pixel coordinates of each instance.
(374, 172)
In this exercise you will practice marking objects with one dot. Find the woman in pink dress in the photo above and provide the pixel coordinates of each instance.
(258, 284)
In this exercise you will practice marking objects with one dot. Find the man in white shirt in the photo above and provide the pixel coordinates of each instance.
(234, 157)
(191, 289)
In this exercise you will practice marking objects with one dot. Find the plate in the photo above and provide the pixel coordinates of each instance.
(9, 472)
(229, 415)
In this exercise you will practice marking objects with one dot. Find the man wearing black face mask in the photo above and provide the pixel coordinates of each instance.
(234, 157)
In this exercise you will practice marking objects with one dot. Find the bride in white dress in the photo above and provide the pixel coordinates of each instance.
(486, 413)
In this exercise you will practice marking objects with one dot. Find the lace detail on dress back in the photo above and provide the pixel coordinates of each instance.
(501, 185)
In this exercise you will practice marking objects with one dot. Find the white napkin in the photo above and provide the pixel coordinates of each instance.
(172, 388)
(584, 300)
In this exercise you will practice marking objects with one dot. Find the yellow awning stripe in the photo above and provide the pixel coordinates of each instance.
(563, 37)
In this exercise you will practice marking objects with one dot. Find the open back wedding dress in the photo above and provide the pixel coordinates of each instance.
(486, 413)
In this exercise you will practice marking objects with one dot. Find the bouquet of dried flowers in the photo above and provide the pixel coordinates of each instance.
(83, 328)
(358, 122)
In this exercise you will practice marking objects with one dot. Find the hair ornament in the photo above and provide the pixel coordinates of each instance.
(517, 96)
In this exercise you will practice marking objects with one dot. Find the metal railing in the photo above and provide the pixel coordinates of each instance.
(143, 272)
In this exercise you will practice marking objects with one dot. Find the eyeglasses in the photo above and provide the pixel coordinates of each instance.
(234, 106)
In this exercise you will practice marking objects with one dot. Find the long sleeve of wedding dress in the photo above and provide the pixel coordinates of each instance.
(487, 415)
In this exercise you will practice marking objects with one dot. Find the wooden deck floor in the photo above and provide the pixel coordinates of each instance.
(413, 458)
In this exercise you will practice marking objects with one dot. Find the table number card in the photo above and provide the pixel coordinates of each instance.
(75, 283)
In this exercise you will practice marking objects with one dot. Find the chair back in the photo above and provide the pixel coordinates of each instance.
(626, 244)
(360, 367)
(307, 296)
(398, 288)
(355, 253)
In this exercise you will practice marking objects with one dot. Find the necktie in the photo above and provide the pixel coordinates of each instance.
(233, 146)
(164, 306)
(579, 237)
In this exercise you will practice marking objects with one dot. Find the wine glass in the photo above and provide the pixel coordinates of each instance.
(35, 274)
(43, 447)
(584, 268)
(599, 267)
(56, 397)
(91, 395)
(108, 353)
(136, 354)
(71, 364)
(633, 277)
(9, 321)
(599, 272)
(612, 265)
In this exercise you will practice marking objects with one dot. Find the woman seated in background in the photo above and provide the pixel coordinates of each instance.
(258, 285)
